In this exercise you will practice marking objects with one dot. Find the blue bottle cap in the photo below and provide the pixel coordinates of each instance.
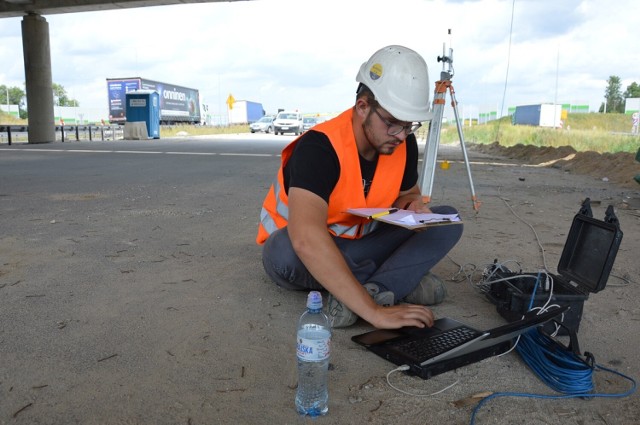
(314, 300)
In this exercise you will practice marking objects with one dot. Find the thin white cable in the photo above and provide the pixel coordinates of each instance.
(544, 258)
(405, 367)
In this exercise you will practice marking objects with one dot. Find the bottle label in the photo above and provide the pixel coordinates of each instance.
(313, 350)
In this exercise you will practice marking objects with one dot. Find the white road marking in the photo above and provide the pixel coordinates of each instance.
(141, 152)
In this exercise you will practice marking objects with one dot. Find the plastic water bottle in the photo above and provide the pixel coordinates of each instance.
(313, 348)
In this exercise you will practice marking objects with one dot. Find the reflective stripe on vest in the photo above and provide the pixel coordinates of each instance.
(282, 209)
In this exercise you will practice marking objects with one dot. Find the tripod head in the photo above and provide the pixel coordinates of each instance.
(446, 74)
(446, 59)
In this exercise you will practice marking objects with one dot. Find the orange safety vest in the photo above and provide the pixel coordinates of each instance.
(348, 192)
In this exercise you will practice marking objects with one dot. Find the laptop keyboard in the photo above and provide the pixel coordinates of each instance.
(427, 348)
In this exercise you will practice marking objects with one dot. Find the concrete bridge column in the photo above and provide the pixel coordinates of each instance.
(37, 70)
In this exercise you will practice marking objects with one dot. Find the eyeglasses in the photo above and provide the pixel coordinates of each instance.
(394, 129)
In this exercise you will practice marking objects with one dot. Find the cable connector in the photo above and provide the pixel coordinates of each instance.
(590, 359)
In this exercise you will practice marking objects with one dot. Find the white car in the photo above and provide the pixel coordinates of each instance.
(288, 122)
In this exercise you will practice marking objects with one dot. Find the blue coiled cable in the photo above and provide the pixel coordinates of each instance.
(561, 369)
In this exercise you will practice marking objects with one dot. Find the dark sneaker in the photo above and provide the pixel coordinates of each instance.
(339, 314)
(430, 291)
(385, 298)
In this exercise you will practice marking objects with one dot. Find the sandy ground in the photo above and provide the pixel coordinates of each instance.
(144, 301)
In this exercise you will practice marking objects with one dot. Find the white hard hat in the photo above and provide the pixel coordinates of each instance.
(399, 79)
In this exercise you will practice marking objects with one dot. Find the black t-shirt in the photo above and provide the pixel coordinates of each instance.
(314, 166)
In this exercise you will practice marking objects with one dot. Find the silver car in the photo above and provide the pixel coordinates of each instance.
(308, 122)
(264, 124)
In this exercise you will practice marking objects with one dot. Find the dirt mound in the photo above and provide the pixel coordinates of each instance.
(618, 168)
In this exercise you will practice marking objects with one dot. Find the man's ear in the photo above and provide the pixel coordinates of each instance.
(362, 107)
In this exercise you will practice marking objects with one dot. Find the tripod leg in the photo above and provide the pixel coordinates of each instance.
(432, 142)
(454, 103)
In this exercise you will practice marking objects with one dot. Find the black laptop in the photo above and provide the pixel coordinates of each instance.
(448, 344)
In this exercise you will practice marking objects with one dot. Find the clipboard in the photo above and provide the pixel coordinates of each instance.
(405, 218)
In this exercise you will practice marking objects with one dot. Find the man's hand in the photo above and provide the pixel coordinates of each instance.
(412, 200)
(401, 315)
(418, 206)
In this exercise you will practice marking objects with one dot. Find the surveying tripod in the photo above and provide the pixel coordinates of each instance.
(435, 126)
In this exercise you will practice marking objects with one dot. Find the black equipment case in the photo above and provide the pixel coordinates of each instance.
(584, 268)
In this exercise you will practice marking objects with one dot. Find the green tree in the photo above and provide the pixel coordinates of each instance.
(16, 97)
(60, 97)
(614, 102)
(633, 90)
(3, 95)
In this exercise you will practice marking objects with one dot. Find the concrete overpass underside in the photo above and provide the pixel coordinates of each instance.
(37, 52)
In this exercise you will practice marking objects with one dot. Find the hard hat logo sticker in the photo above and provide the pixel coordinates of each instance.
(375, 72)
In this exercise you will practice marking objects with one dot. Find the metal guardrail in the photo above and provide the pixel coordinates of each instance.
(65, 132)
(13, 128)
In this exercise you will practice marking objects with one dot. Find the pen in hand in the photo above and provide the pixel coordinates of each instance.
(383, 213)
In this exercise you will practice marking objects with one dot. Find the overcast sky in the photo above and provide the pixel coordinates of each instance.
(303, 54)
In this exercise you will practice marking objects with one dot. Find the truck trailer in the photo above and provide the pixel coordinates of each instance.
(245, 112)
(178, 105)
(543, 115)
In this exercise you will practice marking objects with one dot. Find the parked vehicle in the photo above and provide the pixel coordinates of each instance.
(264, 125)
(245, 112)
(308, 122)
(177, 104)
(288, 122)
(542, 115)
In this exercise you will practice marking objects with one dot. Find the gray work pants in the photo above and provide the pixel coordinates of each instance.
(393, 257)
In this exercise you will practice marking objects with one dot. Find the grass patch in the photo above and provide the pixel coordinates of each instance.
(8, 119)
(197, 130)
(602, 133)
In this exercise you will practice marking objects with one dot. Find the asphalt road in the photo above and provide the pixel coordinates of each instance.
(83, 167)
(132, 292)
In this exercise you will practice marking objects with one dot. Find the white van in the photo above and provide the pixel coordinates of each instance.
(288, 122)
